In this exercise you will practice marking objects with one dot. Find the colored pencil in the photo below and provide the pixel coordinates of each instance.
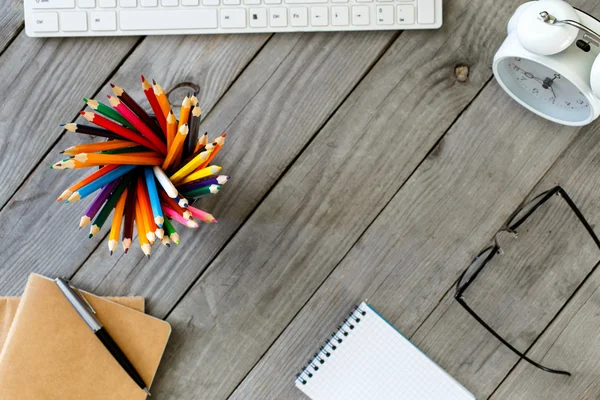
(161, 97)
(92, 159)
(111, 202)
(100, 182)
(165, 182)
(91, 130)
(203, 173)
(171, 232)
(129, 215)
(220, 141)
(153, 194)
(202, 215)
(139, 125)
(164, 198)
(120, 130)
(160, 233)
(115, 228)
(166, 241)
(212, 189)
(169, 212)
(141, 229)
(134, 149)
(98, 147)
(182, 201)
(209, 146)
(95, 175)
(194, 99)
(184, 119)
(97, 203)
(105, 110)
(175, 147)
(153, 101)
(190, 166)
(144, 200)
(217, 180)
(132, 105)
(171, 128)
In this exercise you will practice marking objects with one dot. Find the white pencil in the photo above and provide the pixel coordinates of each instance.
(165, 182)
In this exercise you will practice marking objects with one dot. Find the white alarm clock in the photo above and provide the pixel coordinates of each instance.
(549, 62)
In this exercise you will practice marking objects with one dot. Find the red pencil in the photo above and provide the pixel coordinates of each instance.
(160, 116)
(116, 128)
(139, 125)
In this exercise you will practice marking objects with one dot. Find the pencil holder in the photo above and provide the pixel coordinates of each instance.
(150, 167)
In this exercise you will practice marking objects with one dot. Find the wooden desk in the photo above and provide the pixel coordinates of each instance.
(361, 169)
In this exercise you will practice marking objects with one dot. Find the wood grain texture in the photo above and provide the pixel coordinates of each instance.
(418, 245)
(49, 242)
(271, 112)
(323, 204)
(571, 341)
(11, 21)
(39, 74)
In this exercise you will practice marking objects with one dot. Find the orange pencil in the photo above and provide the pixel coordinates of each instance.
(161, 97)
(176, 147)
(220, 141)
(99, 146)
(115, 229)
(141, 229)
(92, 159)
(146, 209)
(171, 129)
(92, 177)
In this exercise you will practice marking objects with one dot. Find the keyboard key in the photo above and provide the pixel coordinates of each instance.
(103, 21)
(128, 3)
(233, 18)
(364, 1)
(406, 15)
(258, 17)
(360, 15)
(42, 4)
(231, 2)
(339, 16)
(278, 17)
(190, 2)
(45, 22)
(299, 16)
(385, 15)
(252, 2)
(150, 20)
(305, 1)
(319, 16)
(210, 2)
(73, 21)
(272, 1)
(426, 11)
(149, 3)
(107, 3)
(87, 3)
(169, 3)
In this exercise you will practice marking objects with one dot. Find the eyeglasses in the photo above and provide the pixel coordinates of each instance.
(487, 254)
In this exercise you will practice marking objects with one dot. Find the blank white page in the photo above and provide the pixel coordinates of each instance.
(374, 361)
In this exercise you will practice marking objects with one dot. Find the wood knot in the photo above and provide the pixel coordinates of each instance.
(461, 72)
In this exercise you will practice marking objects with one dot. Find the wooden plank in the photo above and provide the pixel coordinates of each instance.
(42, 75)
(571, 341)
(46, 232)
(11, 21)
(408, 257)
(322, 205)
(291, 88)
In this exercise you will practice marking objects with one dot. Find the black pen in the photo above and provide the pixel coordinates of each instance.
(86, 312)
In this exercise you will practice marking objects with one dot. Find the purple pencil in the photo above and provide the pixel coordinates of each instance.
(97, 203)
(219, 180)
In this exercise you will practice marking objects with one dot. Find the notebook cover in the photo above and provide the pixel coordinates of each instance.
(8, 309)
(51, 354)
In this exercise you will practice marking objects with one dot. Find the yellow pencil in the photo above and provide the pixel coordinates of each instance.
(190, 166)
(203, 173)
(115, 229)
(175, 147)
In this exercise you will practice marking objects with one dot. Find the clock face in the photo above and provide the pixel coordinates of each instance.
(544, 89)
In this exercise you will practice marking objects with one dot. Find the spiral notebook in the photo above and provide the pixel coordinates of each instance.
(367, 358)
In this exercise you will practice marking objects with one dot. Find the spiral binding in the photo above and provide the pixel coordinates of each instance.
(331, 345)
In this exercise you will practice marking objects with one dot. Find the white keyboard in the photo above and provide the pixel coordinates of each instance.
(160, 17)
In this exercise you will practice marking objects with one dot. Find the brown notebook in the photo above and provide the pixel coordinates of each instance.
(8, 309)
(51, 354)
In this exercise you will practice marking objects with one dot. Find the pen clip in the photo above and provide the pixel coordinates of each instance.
(82, 297)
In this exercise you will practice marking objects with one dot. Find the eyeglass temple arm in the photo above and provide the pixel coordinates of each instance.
(462, 302)
(551, 20)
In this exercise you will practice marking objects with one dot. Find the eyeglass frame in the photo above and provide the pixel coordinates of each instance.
(496, 249)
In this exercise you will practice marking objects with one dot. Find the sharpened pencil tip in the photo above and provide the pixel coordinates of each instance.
(61, 124)
(153, 81)
(126, 251)
(147, 255)
(111, 85)
(143, 79)
(62, 152)
(111, 253)
(90, 236)
(81, 112)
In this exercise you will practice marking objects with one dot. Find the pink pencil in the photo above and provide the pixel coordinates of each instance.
(137, 123)
(202, 215)
(169, 212)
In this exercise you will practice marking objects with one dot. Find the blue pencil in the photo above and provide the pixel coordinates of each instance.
(154, 199)
(100, 182)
